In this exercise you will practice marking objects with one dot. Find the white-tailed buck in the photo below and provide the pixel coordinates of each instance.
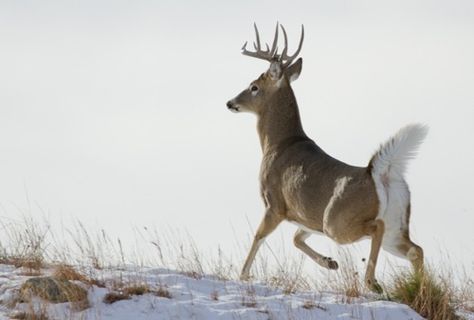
(302, 184)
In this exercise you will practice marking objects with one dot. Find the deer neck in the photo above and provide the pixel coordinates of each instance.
(280, 123)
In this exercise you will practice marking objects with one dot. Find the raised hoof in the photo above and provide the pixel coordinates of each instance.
(331, 264)
(374, 286)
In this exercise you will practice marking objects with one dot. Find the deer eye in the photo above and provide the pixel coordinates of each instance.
(254, 89)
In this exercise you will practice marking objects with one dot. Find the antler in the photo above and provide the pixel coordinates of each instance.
(286, 58)
(267, 54)
(271, 54)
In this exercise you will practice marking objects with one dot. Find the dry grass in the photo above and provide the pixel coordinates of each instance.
(25, 246)
(347, 279)
(126, 292)
(67, 272)
(465, 296)
(32, 264)
(163, 292)
(137, 289)
(289, 282)
(313, 303)
(29, 316)
(192, 274)
(288, 276)
(114, 296)
(38, 312)
(310, 304)
(30, 272)
(221, 267)
(32, 245)
(428, 294)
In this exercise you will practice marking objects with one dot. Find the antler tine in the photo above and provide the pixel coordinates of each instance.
(284, 56)
(257, 36)
(275, 42)
(258, 54)
(300, 45)
(275, 54)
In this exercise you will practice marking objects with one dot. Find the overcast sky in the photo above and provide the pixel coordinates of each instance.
(113, 112)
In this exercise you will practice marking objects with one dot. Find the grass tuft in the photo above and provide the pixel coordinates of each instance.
(137, 289)
(114, 296)
(309, 304)
(29, 316)
(425, 293)
(67, 272)
(163, 292)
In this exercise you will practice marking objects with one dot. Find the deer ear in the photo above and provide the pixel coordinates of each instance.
(293, 72)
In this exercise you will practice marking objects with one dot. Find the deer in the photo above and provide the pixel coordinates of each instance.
(302, 184)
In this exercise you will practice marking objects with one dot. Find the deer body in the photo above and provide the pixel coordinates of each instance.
(302, 184)
(298, 178)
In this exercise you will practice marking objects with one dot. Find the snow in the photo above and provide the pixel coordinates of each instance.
(204, 298)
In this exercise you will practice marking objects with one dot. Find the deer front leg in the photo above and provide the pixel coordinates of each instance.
(299, 241)
(269, 223)
(375, 229)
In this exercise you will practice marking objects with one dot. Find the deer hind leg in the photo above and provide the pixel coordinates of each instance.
(412, 252)
(399, 243)
(299, 241)
(375, 229)
(403, 247)
(268, 224)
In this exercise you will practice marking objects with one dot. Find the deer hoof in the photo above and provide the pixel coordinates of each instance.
(374, 286)
(244, 277)
(331, 264)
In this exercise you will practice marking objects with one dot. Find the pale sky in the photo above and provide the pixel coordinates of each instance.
(113, 112)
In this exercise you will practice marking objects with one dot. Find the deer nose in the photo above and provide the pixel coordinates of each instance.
(230, 104)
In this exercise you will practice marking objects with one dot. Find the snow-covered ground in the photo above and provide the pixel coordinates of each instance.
(205, 298)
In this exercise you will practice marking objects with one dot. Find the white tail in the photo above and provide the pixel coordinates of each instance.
(388, 166)
(390, 161)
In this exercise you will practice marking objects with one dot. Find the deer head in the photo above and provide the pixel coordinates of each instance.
(274, 84)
